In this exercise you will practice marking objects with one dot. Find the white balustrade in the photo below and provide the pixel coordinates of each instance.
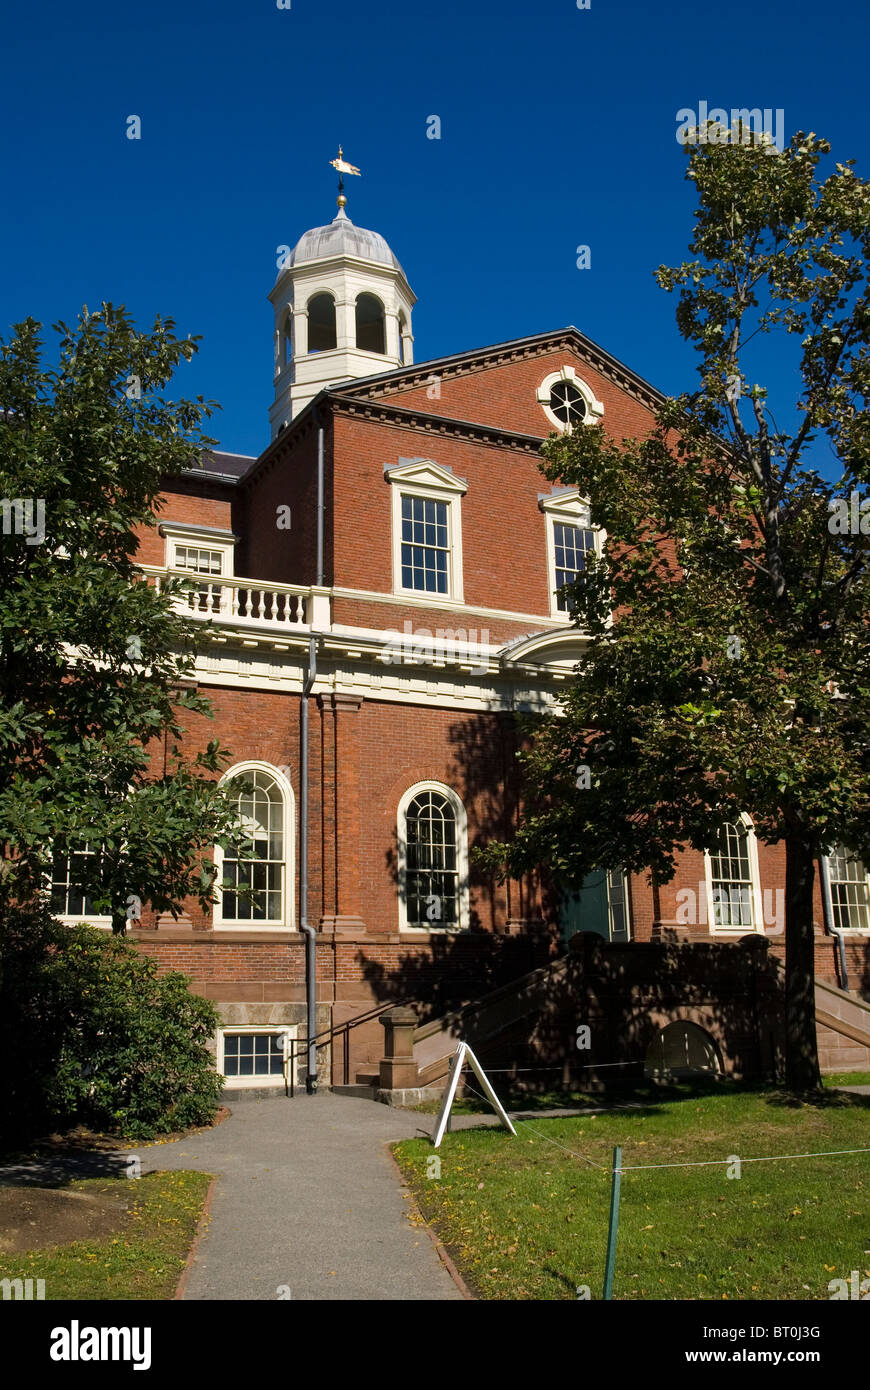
(243, 602)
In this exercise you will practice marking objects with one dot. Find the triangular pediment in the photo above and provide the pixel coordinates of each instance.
(566, 502)
(568, 340)
(425, 473)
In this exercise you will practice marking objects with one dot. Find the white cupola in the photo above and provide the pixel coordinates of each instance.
(342, 308)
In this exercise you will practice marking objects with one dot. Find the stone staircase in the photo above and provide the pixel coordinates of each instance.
(843, 1029)
(527, 1021)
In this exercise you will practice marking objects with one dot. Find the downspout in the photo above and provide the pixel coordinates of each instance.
(305, 926)
(828, 910)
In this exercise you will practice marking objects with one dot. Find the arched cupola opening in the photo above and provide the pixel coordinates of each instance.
(370, 324)
(321, 323)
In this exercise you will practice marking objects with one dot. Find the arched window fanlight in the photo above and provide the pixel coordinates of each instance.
(370, 325)
(321, 323)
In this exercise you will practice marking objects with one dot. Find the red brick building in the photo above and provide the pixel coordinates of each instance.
(383, 583)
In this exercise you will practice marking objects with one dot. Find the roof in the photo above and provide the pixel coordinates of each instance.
(416, 373)
(221, 467)
(229, 465)
(342, 238)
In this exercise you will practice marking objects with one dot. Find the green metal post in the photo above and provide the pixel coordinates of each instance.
(616, 1178)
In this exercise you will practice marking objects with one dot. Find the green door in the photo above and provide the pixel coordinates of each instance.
(598, 905)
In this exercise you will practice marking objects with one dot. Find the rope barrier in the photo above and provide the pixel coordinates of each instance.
(545, 1137)
(688, 1163)
(714, 1162)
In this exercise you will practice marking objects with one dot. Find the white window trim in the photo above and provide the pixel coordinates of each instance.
(594, 407)
(219, 923)
(104, 923)
(101, 920)
(461, 859)
(755, 888)
(203, 538)
(850, 931)
(570, 509)
(236, 1083)
(423, 478)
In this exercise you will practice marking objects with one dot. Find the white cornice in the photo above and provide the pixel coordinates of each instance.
(446, 605)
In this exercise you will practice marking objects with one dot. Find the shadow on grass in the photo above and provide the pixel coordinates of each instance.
(646, 1097)
(819, 1100)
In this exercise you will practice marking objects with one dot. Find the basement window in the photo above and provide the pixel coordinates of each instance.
(254, 1056)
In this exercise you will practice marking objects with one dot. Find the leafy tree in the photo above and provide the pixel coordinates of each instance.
(735, 676)
(95, 666)
(92, 1034)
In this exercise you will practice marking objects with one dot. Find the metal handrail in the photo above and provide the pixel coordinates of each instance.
(328, 1033)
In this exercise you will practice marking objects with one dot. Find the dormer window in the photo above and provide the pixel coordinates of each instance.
(370, 324)
(205, 551)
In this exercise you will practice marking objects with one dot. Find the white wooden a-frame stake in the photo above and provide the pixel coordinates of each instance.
(462, 1054)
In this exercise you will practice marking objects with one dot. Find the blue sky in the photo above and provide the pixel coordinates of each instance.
(558, 128)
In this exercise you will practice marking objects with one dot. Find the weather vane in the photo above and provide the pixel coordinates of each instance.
(343, 168)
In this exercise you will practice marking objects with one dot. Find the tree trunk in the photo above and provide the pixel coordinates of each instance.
(801, 1050)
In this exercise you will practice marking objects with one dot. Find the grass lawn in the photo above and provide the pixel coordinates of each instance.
(153, 1218)
(847, 1078)
(523, 1219)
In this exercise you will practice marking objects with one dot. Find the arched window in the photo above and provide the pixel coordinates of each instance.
(433, 859)
(254, 874)
(403, 328)
(731, 866)
(321, 323)
(287, 341)
(370, 326)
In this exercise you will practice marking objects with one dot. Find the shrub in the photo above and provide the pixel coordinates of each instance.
(91, 1034)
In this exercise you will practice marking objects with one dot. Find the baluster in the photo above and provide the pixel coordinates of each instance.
(274, 613)
(234, 589)
(261, 610)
